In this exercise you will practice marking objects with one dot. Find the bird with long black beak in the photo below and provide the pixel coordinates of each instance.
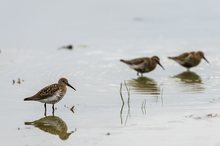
(189, 59)
(143, 64)
(51, 94)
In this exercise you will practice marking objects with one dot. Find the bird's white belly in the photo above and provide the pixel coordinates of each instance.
(52, 99)
(180, 62)
(135, 66)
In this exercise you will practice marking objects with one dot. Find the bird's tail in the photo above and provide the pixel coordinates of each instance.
(124, 61)
(28, 123)
(171, 57)
(28, 99)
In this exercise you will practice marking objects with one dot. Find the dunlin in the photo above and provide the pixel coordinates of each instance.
(51, 94)
(143, 64)
(189, 59)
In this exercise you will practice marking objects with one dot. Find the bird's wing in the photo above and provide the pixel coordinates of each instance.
(183, 56)
(47, 91)
(138, 61)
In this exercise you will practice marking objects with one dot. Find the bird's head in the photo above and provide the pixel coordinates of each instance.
(65, 82)
(157, 60)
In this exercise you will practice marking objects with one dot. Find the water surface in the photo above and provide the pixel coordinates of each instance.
(157, 105)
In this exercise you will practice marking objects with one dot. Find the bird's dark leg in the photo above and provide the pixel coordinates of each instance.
(45, 109)
(137, 73)
(53, 109)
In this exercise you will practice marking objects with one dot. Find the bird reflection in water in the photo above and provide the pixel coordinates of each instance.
(53, 125)
(141, 85)
(191, 79)
(144, 85)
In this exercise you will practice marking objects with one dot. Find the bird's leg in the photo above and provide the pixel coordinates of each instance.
(45, 109)
(141, 74)
(53, 109)
(137, 73)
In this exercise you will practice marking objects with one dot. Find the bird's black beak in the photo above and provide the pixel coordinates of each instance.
(161, 65)
(205, 59)
(70, 86)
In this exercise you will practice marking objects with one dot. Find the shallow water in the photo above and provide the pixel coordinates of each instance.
(158, 105)
(98, 111)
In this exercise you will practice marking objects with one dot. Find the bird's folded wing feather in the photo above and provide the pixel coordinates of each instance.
(47, 91)
(141, 65)
(138, 61)
(183, 56)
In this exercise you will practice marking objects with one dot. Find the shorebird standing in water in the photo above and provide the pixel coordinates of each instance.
(189, 59)
(143, 64)
(51, 94)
